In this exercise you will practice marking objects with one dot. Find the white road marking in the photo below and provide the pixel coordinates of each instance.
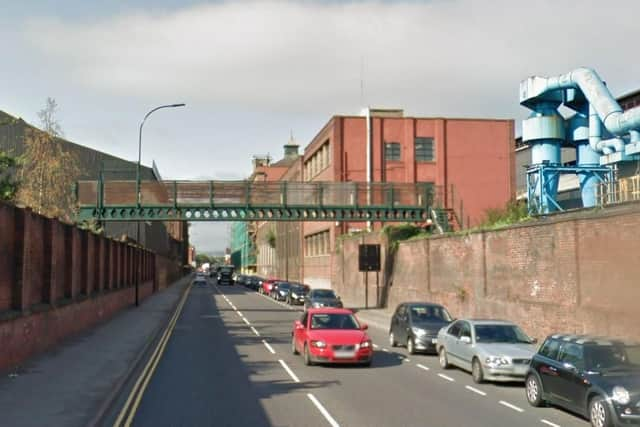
(475, 390)
(255, 331)
(407, 360)
(384, 349)
(422, 367)
(240, 313)
(549, 423)
(289, 371)
(376, 346)
(446, 377)
(509, 405)
(323, 411)
(266, 344)
(246, 321)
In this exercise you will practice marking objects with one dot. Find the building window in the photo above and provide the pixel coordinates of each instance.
(424, 149)
(317, 244)
(392, 151)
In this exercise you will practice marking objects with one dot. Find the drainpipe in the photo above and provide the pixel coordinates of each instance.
(369, 155)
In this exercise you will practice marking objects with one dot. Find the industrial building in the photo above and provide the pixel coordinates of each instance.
(468, 162)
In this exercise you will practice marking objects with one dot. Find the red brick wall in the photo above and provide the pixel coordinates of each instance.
(572, 273)
(52, 277)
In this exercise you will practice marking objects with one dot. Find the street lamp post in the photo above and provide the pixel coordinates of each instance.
(138, 195)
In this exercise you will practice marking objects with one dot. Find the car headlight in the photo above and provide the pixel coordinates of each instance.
(365, 344)
(418, 332)
(620, 395)
(496, 361)
(293, 294)
(319, 344)
(283, 292)
(317, 304)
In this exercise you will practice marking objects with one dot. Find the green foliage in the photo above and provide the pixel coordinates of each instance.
(513, 213)
(8, 185)
(397, 233)
(270, 238)
(202, 259)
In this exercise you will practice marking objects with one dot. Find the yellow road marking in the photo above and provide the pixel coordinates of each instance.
(149, 368)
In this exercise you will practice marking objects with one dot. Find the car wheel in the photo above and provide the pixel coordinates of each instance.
(599, 413)
(392, 340)
(533, 389)
(367, 364)
(307, 356)
(442, 358)
(476, 371)
(294, 350)
(411, 345)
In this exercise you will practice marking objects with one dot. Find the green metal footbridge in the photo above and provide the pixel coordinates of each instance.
(110, 200)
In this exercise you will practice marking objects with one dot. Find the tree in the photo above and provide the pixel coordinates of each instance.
(8, 184)
(48, 170)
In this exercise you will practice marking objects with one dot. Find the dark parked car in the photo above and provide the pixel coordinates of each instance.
(317, 298)
(297, 294)
(416, 325)
(254, 282)
(241, 279)
(596, 377)
(280, 291)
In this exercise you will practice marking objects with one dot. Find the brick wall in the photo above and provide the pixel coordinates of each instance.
(57, 280)
(574, 273)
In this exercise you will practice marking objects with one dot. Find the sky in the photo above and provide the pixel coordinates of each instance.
(252, 72)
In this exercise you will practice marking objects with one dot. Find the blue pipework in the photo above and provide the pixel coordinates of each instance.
(601, 132)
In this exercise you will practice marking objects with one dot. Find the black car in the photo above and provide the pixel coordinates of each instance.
(596, 377)
(200, 281)
(241, 279)
(317, 298)
(297, 294)
(225, 275)
(416, 325)
(280, 291)
(254, 282)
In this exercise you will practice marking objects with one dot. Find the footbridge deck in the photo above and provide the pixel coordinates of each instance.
(251, 200)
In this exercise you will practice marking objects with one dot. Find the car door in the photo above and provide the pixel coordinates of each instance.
(466, 348)
(395, 319)
(451, 338)
(571, 386)
(548, 368)
(402, 326)
(301, 334)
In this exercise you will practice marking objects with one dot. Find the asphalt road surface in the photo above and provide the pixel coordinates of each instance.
(228, 362)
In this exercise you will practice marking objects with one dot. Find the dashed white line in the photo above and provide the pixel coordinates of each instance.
(446, 377)
(422, 367)
(323, 411)
(376, 346)
(475, 390)
(266, 344)
(289, 371)
(240, 313)
(246, 321)
(255, 331)
(406, 360)
(384, 349)
(509, 405)
(549, 423)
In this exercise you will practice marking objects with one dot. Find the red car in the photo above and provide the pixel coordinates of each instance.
(267, 285)
(331, 335)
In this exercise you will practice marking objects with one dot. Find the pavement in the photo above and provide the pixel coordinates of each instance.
(72, 384)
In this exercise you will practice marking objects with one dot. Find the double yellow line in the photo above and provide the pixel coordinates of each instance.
(133, 401)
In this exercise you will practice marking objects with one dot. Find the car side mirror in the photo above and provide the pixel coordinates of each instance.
(364, 326)
(534, 341)
(465, 339)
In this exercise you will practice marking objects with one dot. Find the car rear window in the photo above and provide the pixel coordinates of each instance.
(323, 293)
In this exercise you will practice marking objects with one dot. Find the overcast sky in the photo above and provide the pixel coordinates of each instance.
(252, 71)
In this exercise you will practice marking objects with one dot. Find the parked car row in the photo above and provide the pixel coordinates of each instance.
(595, 377)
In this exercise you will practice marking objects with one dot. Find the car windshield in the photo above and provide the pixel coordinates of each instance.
(429, 313)
(500, 334)
(323, 293)
(299, 289)
(226, 269)
(333, 321)
(612, 357)
(283, 286)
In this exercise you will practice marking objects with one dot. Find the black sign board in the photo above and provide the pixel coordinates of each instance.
(369, 257)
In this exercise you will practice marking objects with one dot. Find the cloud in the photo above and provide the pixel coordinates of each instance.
(459, 57)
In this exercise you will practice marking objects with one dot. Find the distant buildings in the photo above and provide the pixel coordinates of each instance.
(470, 162)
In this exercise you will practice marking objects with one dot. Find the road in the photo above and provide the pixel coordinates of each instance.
(228, 362)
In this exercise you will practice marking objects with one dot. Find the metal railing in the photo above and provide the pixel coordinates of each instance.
(620, 191)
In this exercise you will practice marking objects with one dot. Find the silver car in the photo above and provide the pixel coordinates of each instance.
(493, 350)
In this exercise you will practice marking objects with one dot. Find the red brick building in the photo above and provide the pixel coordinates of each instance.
(473, 158)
